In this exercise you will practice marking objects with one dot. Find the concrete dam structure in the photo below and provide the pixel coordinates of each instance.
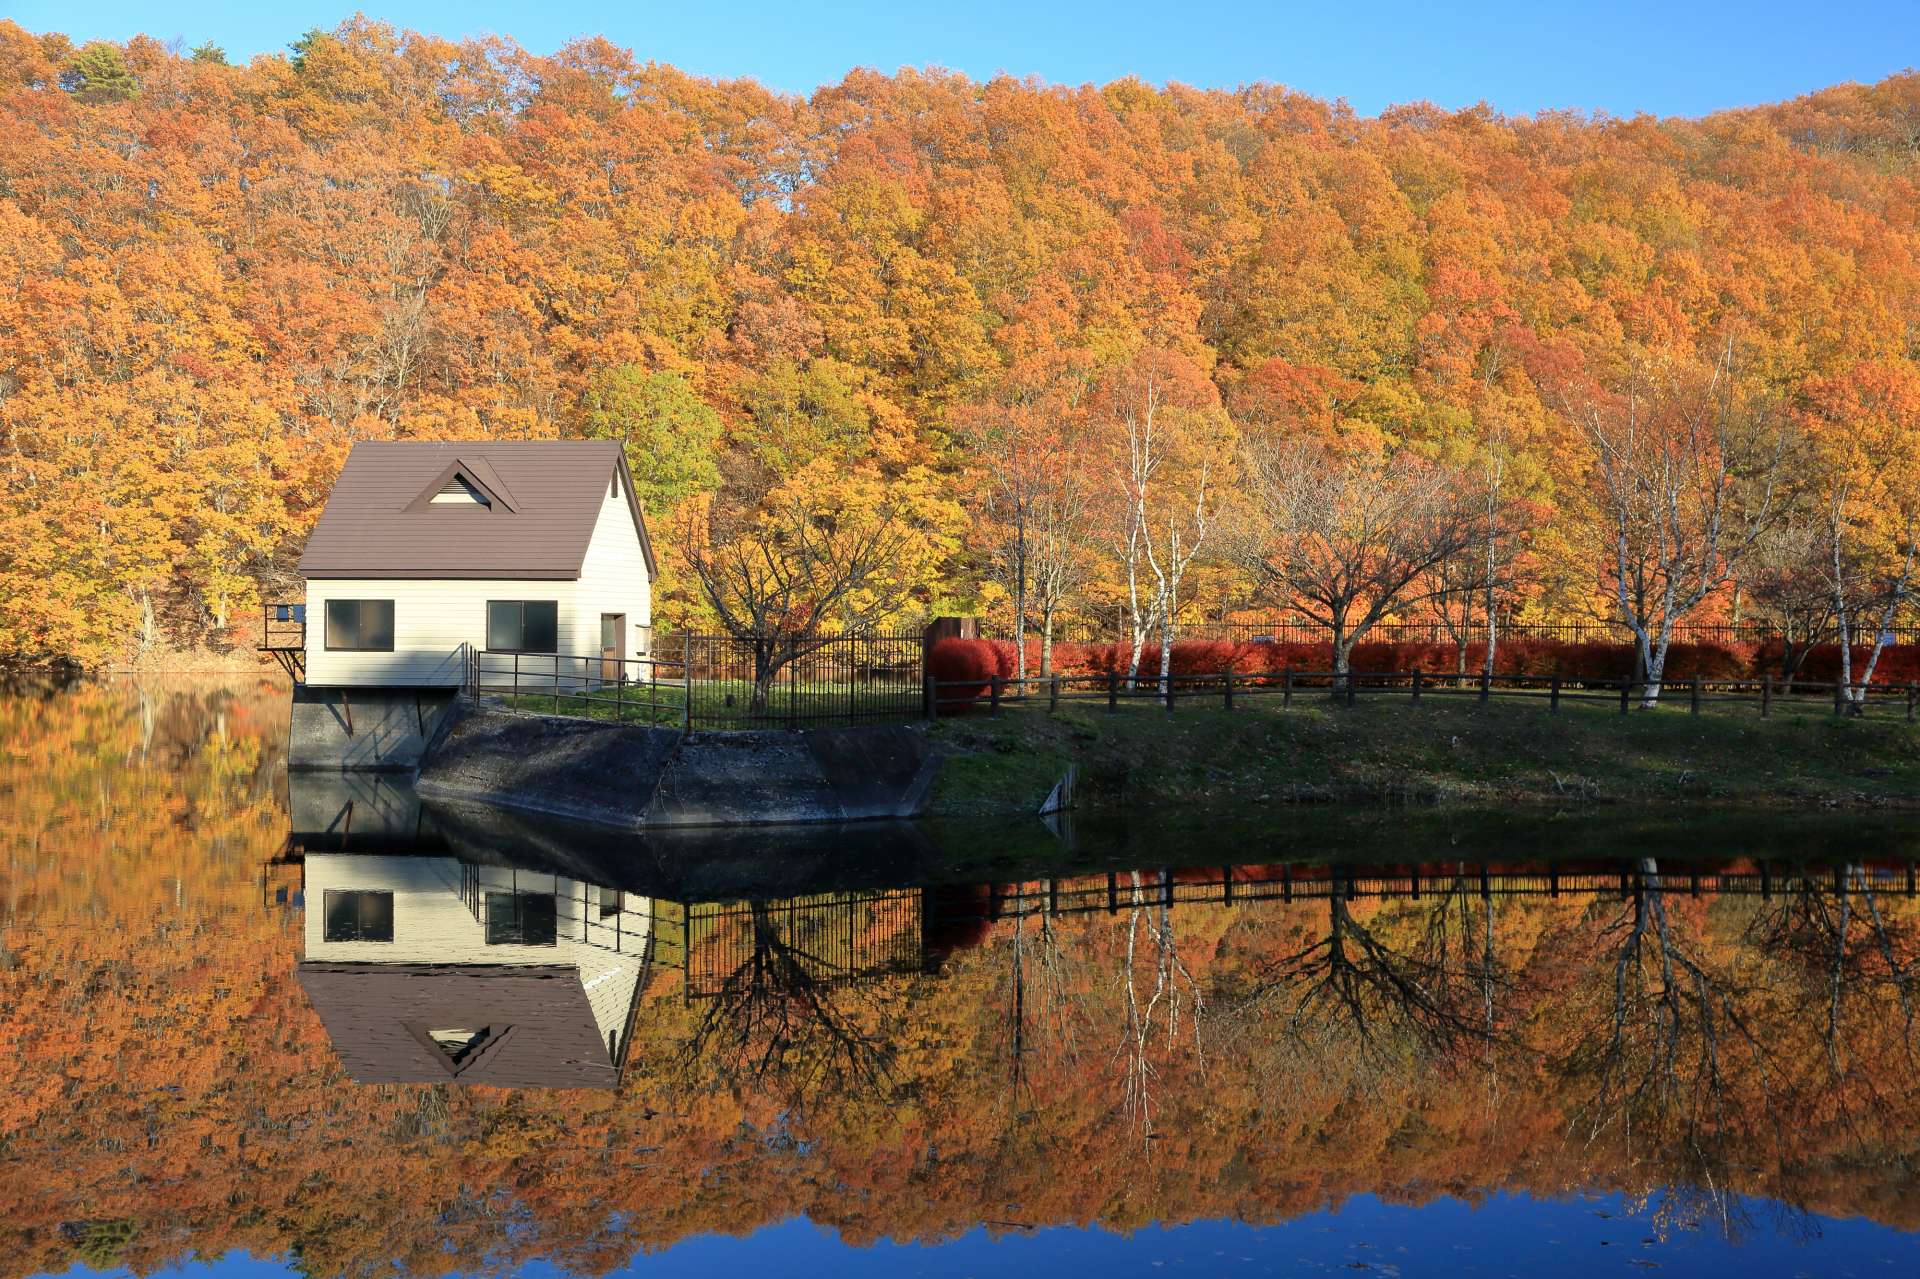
(464, 748)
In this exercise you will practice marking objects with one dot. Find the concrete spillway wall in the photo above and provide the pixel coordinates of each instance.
(657, 777)
(364, 730)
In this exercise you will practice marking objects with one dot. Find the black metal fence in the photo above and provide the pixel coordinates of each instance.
(717, 682)
(1227, 689)
(774, 683)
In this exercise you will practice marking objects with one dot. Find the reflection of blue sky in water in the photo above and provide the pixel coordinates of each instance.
(1506, 1235)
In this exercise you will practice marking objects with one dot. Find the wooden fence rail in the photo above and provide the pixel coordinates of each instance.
(1228, 688)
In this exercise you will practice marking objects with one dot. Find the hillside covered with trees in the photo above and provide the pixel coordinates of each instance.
(1139, 354)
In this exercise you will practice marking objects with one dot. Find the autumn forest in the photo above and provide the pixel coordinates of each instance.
(1129, 355)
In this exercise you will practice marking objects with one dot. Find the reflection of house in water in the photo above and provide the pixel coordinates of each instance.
(426, 969)
(448, 944)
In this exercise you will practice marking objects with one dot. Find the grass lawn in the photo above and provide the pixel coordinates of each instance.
(1444, 748)
(723, 705)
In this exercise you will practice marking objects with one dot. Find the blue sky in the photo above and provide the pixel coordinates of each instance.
(1622, 58)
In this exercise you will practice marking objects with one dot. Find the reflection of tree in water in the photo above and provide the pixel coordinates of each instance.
(1840, 944)
(772, 1013)
(1391, 998)
(1038, 994)
(1671, 1050)
(1152, 1012)
(426, 1114)
(1687, 1207)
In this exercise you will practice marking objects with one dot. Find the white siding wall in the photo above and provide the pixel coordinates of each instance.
(614, 579)
(431, 622)
(431, 925)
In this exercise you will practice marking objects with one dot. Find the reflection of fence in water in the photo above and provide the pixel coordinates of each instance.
(840, 937)
(1229, 884)
(832, 937)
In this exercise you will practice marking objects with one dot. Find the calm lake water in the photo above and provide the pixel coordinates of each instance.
(254, 1024)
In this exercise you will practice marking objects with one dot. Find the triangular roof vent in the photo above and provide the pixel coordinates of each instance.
(459, 1044)
(460, 491)
(467, 484)
(462, 1045)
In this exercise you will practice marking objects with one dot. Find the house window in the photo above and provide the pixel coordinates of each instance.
(358, 916)
(360, 626)
(521, 919)
(523, 626)
(609, 902)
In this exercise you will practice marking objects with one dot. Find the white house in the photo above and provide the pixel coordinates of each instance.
(427, 549)
(430, 969)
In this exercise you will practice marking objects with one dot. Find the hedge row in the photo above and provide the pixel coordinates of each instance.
(975, 662)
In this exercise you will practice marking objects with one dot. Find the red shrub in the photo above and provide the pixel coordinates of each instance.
(1899, 663)
(964, 669)
(1520, 655)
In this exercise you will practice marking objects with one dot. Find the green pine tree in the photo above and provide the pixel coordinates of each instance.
(97, 73)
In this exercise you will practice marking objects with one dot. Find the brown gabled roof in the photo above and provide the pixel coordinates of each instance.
(379, 523)
(541, 1032)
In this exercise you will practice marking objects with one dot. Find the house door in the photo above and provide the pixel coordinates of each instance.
(613, 645)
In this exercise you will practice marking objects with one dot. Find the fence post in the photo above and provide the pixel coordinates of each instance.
(1625, 684)
(1229, 678)
(1053, 693)
(1113, 691)
(1166, 689)
(1286, 687)
(1353, 685)
(1694, 704)
(927, 693)
(686, 681)
(1486, 686)
(1766, 695)
(1839, 697)
(1553, 697)
(1416, 686)
(1910, 692)
(993, 696)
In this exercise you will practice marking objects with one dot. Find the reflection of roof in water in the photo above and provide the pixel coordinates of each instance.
(391, 1024)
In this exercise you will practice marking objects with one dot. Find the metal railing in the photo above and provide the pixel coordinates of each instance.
(283, 635)
(283, 625)
(716, 682)
(637, 690)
